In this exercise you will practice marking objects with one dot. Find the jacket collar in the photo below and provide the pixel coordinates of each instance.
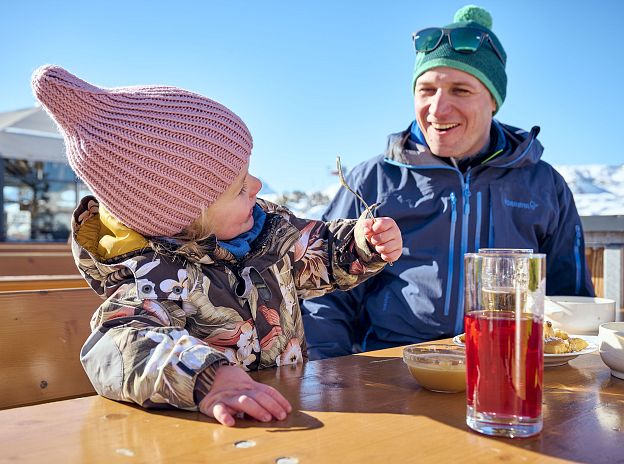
(277, 237)
(523, 149)
(90, 227)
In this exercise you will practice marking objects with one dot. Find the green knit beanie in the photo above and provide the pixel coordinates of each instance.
(484, 64)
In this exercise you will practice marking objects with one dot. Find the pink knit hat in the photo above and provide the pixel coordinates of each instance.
(153, 155)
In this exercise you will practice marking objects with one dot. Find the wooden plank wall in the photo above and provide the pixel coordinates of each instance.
(41, 334)
(29, 259)
(31, 247)
(37, 263)
(41, 282)
(595, 263)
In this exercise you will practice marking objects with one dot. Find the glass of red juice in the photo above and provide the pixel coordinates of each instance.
(504, 312)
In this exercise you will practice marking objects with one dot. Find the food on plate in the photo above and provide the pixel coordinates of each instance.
(556, 345)
(577, 344)
(563, 335)
(557, 341)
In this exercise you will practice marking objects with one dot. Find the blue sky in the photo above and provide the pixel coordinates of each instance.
(320, 78)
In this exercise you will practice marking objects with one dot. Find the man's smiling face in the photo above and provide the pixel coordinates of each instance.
(454, 111)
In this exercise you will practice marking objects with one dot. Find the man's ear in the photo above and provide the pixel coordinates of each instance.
(493, 104)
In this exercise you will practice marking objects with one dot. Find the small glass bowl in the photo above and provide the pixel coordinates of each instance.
(437, 367)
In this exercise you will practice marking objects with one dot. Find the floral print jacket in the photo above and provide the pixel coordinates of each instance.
(170, 320)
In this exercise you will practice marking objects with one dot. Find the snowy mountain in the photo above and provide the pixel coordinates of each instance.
(598, 191)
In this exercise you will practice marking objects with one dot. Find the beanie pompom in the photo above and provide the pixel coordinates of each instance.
(473, 13)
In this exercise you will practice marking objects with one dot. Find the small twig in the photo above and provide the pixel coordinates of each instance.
(345, 185)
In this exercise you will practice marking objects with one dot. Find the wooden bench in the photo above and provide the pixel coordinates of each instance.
(41, 282)
(37, 263)
(30, 247)
(41, 334)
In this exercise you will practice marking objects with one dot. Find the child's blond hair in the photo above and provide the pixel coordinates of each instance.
(191, 237)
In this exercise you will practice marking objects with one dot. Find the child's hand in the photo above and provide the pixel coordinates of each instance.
(233, 392)
(384, 235)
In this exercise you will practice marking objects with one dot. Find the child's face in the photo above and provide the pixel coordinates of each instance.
(231, 214)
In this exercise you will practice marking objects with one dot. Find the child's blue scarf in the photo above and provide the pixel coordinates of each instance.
(241, 245)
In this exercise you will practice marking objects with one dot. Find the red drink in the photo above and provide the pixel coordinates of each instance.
(504, 365)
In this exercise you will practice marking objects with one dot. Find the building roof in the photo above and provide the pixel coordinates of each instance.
(30, 134)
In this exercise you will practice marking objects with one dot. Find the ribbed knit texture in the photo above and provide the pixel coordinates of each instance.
(153, 155)
(484, 64)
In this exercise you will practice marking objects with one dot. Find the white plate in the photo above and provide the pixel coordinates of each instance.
(551, 360)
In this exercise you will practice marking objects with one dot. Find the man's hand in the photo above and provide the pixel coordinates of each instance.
(384, 235)
(233, 392)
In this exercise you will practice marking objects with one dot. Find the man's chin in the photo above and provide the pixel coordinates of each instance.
(445, 152)
(442, 153)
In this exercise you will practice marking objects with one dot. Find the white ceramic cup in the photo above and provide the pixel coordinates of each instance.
(579, 315)
(611, 338)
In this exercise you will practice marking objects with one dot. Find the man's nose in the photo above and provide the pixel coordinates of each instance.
(439, 104)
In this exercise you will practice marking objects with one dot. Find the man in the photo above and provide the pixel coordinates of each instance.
(456, 180)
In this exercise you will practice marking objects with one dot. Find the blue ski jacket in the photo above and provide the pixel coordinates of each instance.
(511, 200)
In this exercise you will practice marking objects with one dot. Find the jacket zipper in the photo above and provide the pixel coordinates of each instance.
(478, 226)
(491, 224)
(577, 258)
(459, 321)
(449, 276)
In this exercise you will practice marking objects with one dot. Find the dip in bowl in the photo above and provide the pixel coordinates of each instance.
(439, 368)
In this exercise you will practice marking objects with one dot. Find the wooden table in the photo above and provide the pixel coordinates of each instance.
(360, 409)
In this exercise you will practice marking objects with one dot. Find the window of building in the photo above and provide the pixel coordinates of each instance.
(39, 198)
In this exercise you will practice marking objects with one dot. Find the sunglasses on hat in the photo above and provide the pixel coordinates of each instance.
(461, 39)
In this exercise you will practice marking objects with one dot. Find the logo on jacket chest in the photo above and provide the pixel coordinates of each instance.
(530, 205)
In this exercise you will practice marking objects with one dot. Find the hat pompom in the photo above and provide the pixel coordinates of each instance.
(473, 13)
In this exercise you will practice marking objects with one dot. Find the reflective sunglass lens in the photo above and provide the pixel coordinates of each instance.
(466, 40)
(427, 39)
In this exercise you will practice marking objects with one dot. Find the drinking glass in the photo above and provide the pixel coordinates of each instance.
(504, 301)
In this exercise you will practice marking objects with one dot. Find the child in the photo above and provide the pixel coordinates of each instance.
(201, 278)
